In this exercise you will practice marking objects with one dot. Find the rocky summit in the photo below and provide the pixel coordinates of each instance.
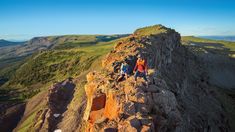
(178, 97)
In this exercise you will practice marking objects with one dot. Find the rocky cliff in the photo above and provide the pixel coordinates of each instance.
(178, 97)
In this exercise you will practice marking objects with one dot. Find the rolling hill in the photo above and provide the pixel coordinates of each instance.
(44, 60)
(5, 43)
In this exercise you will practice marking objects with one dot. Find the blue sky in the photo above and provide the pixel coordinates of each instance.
(24, 19)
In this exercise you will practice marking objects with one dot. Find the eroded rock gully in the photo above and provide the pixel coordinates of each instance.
(57, 100)
(176, 100)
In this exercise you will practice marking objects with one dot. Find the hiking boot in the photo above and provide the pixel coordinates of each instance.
(147, 84)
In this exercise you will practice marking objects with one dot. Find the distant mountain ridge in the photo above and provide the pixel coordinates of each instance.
(4, 43)
(51, 42)
(225, 38)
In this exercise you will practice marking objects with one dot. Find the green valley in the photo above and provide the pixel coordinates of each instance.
(70, 57)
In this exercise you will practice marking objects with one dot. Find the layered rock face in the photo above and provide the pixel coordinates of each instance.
(178, 97)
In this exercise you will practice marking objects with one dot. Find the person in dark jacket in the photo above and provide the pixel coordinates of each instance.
(124, 71)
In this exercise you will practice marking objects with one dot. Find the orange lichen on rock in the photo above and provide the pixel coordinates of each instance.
(112, 107)
(89, 89)
(91, 76)
(96, 115)
(89, 127)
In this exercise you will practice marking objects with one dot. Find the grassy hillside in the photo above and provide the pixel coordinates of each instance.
(13, 56)
(10, 55)
(156, 29)
(4, 43)
(217, 44)
(46, 67)
(72, 41)
(219, 56)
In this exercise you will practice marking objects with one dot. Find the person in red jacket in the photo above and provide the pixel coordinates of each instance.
(141, 69)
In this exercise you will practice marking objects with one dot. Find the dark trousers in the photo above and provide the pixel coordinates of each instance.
(140, 74)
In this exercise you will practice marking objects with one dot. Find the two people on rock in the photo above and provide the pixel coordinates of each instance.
(140, 70)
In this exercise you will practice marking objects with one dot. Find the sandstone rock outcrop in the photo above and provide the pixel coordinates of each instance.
(175, 100)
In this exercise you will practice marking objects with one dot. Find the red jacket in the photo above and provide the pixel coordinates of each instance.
(141, 65)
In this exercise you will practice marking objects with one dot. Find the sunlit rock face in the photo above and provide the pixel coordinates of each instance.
(175, 100)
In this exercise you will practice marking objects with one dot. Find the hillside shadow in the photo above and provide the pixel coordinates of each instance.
(11, 117)
(60, 96)
(214, 48)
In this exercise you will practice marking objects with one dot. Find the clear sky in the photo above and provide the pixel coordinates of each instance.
(23, 19)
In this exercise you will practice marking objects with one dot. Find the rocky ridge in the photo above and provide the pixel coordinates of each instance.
(177, 99)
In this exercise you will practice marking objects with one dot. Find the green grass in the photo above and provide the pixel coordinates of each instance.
(27, 123)
(11, 59)
(73, 41)
(202, 46)
(50, 66)
(8, 67)
(151, 30)
(211, 43)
